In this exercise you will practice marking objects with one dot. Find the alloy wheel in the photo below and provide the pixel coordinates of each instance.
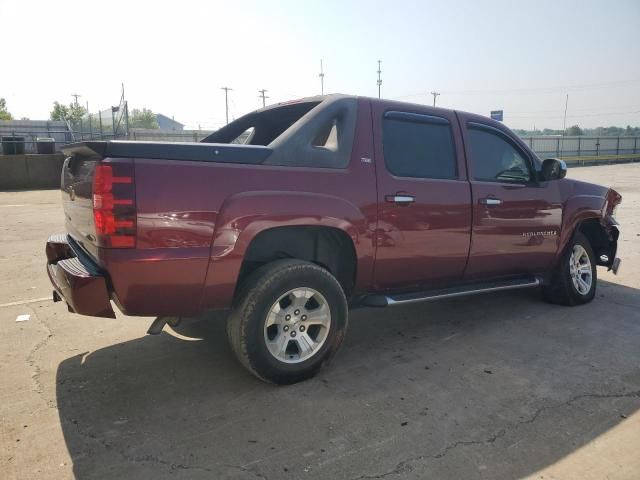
(580, 270)
(297, 325)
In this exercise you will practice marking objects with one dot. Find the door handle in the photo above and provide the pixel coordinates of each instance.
(400, 199)
(490, 201)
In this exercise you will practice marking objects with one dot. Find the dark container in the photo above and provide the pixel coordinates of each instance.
(45, 145)
(13, 145)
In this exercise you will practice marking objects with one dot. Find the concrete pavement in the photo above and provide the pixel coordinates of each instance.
(499, 386)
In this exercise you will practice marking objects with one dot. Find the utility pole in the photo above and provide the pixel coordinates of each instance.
(226, 101)
(379, 78)
(564, 124)
(75, 96)
(435, 94)
(89, 117)
(321, 78)
(126, 115)
(264, 98)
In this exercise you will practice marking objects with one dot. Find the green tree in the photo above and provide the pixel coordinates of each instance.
(72, 112)
(76, 112)
(574, 130)
(4, 113)
(59, 112)
(144, 118)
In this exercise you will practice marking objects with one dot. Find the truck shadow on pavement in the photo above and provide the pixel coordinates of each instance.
(502, 384)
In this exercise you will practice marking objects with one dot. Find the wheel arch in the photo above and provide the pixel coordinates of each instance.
(577, 209)
(247, 215)
(327, 246)
(599, 229)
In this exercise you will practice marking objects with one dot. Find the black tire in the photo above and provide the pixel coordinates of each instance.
(254, 299)
(562, 290)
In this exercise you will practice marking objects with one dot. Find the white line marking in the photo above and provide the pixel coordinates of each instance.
(25, 302)
(22, 205)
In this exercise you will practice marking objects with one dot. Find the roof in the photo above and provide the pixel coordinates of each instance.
(169, 119)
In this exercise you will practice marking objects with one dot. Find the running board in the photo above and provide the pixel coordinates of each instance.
(459, 291)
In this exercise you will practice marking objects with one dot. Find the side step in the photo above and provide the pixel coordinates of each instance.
(459, 291)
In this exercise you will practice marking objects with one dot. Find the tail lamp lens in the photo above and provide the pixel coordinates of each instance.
(114, 206)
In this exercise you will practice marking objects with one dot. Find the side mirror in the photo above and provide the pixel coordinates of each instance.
(553, 169)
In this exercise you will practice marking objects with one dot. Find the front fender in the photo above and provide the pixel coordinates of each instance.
(591, 207)
(246, 214)
(578, 209)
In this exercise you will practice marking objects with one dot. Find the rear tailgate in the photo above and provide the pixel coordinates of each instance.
(76, 185)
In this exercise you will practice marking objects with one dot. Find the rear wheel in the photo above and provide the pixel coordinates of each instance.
(575, 278)
(289, 318)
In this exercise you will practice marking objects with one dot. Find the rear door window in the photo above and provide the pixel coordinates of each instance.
(418, 146)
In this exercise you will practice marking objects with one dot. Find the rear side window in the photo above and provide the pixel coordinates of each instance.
(495, 159)
(324, 139)
(418, 146)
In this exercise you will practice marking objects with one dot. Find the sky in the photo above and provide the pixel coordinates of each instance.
(174, 57)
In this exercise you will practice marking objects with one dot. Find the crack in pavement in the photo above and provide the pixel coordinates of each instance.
(405, 465)
(30, 358)
(155, 459)
(39, 389)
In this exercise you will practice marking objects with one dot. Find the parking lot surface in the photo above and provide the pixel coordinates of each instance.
(498, 386)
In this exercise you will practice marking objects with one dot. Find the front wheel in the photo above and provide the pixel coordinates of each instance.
(288, 319)
(575, 278)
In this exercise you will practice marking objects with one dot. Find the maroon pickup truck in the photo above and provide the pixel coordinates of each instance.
(294, 213)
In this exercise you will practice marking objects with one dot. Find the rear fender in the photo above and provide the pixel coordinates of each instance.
(245, 215)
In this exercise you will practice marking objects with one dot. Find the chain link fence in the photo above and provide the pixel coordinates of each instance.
(32, 136)
(559, 146)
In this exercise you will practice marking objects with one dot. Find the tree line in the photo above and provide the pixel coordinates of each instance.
(576, 131)
(77, 115)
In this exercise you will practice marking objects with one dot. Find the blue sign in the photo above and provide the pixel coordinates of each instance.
(496, 115)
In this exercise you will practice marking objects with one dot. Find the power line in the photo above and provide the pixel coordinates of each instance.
(262, 95)
(226, 101)
(535, 90)
(576, 109)
(601, 114)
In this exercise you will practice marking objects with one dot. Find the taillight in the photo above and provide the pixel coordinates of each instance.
(114, 204)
